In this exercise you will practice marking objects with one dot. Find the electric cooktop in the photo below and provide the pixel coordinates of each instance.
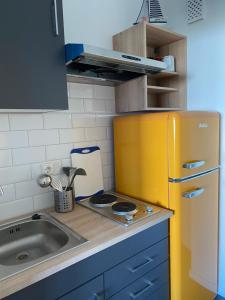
(119, 208)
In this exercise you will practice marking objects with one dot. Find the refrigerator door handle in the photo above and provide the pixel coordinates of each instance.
(193, 193)
(194, 164)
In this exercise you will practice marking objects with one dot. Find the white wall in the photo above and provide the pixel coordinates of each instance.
(94, 22)
(206, 78)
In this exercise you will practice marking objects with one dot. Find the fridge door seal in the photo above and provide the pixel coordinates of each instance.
(178, 180)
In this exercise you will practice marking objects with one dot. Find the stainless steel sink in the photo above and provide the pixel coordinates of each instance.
(32, 240)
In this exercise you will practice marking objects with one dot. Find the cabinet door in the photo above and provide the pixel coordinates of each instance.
(93, 290)
(32, 67)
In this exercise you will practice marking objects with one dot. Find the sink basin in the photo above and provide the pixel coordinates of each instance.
(33, 240)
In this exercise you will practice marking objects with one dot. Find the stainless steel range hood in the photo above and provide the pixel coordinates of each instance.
(88, 64)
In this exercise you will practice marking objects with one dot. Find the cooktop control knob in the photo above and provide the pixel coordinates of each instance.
(149, 209)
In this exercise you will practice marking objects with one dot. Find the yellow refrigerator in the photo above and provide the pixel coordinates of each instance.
(171, 159)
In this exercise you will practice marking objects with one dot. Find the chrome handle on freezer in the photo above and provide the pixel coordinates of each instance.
(194, 164)
(194, 193)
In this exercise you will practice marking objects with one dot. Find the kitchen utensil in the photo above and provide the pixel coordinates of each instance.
(78, 171)
(56, 183)
(88, 159)
(44, 180)
(64, 201)
(67, 170)
(64, 180)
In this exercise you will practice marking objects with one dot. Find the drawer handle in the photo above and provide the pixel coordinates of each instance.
(136, 295)
(137, 268)
(98, 296)
(194, 164)
(193, 193)
(56, 17)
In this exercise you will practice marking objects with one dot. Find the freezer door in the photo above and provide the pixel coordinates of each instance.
(193, 139)
(194, 238)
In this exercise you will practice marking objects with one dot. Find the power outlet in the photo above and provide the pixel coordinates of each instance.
(47, 168)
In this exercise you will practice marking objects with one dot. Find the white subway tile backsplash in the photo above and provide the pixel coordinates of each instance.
(29, 188)
(43, 137)
(78, 90)
(106, 145)
(13, 139)
(110, 106)
(104, 92)
(108, 184)
(72, 135)
(25, 121)
(66, 162)
(58, 151)
(14, 174)
(5, 158)
(108, 171)
(57, 120)
(85, 144)
(4, 122)
(28, 140)
(8, 193)
(76, 105)
(16, 208)
(83, 121)
(30, 155)
(109, 133)
(95, 105)
(107, 158)
(104, 121)
(96, 133)
(43, 201)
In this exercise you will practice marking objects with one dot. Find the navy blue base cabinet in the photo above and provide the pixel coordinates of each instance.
(136, 268)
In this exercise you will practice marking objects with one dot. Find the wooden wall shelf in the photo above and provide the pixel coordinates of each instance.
(162, 91)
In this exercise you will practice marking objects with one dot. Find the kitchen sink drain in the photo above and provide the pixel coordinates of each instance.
(22, 256)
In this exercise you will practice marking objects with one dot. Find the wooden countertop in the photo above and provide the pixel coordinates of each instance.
(101, 234)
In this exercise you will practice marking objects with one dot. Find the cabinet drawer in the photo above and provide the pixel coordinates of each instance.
(163, 293)
(133, 268)
(146, 286)
(93, 290)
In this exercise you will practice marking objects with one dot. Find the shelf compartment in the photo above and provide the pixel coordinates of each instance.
(158, 37)
(153, 89)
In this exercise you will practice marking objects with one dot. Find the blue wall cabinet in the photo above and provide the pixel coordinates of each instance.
(136, 268)
(32, 63)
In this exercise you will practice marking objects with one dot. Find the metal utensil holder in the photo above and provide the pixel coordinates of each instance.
(64, 201)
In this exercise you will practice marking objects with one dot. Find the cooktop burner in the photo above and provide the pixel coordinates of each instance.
(123, 208)
(120, 208)
(103, 200)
